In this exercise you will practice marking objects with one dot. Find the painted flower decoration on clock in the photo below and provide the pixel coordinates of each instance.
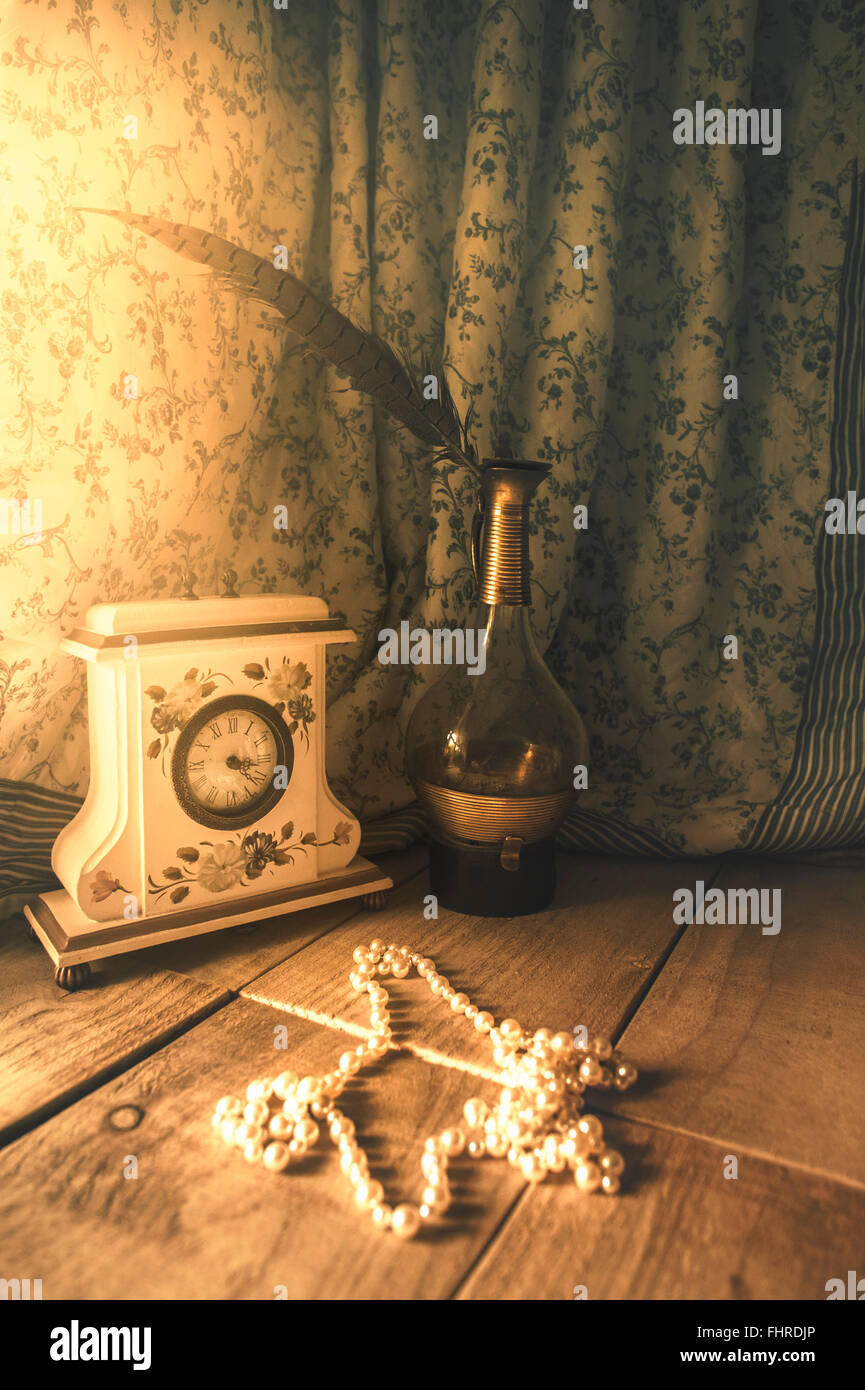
(173, 708)
(241, 860)
(285, 684)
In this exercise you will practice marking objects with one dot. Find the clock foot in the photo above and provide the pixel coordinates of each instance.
(72, 977)
(375, 901)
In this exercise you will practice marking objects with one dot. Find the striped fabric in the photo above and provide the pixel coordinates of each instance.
(823, 797)
(30, 820)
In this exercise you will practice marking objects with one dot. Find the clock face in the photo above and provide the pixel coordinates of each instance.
(226, 759)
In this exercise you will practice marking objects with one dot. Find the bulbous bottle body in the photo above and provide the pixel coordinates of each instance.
(506, 733)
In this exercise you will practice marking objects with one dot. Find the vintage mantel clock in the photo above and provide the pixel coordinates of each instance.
(208, 802)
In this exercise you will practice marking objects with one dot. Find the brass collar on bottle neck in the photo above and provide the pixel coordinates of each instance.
(500, 531)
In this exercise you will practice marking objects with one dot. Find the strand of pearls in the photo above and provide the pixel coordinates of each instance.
(537, 1124)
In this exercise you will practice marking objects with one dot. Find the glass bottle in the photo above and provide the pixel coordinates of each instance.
(492, 755)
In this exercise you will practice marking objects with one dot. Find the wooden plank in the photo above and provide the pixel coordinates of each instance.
(232, 958)
(758, 1041)
(584, 961)
(55, 1045)
(200, 1223)
(677, 1230)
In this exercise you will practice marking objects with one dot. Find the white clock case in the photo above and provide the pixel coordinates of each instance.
(131, 826)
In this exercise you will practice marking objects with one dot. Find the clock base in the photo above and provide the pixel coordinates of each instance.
(72, 939)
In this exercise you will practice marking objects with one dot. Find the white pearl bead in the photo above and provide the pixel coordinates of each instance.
(368, 1194)
(281, 1126)
(253, 1150)
(284, 1083)
(510, 1029)
(262, 1089)
(381, 1215)
(459, 1002)
(611, 1161)
(256, 1112)
(453, 1141)
(276, 1157)
(562, 1044)
(532, 1169)
(228, 1128)
(476, 1112)
(228, 1105)
(610, 1184)
(438, 1198)
(587, 1176)
(590, 1125)
(405, 1221)
(306, 1132)
(296, 1148)
(484, 1021)
(476, 1148)
(553, 1156)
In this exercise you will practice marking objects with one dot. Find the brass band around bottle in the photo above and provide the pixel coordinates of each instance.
(487, 820)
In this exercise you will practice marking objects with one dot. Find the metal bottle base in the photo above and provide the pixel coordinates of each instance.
(470, 879)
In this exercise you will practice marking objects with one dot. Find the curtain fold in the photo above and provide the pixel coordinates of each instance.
(306, 127)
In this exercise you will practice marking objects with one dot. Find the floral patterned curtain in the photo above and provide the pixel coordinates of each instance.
(306, 126)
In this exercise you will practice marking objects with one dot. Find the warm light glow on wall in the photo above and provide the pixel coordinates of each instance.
(132, 395)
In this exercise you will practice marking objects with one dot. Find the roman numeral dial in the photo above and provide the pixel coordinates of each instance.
(226, 767)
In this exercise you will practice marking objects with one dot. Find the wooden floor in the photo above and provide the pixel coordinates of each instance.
(749, 1045)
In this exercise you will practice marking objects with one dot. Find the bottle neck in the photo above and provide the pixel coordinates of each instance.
(504, 575)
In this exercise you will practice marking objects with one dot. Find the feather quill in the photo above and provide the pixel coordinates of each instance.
(368, 362)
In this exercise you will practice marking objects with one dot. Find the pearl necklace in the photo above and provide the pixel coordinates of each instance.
(536, 1124)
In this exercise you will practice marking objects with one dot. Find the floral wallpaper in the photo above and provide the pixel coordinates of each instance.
(157, 421)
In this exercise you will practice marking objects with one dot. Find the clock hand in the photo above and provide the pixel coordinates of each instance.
(240, 765)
